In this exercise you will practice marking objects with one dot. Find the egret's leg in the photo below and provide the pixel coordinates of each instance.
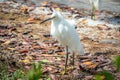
(73, 59)
(66, 58)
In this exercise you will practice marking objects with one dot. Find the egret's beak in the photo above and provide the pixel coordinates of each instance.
(47, 19)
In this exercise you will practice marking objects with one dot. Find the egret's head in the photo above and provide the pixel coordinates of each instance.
(55, 16)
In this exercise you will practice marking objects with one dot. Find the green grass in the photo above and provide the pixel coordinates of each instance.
(34, 74)
(105, 74)
(117, 62)
(5, 75)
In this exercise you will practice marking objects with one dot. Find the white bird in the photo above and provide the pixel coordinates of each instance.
(95, 4)
(64, 32)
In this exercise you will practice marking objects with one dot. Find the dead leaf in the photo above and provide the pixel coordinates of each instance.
(45, 61)
(11, 69)
(27, 67)
(6, 42)
(49, 68)
(28, 57)
(87, 63)
(31, 19)
(36, 47)
(88, 77)
(58, 59)
(44, 3)
(84, 21)
(102, 27)
(92, 66)
(11, 48)
(24, 9)
(26, 61)
(61, 53)
(23, 51)
(53, 77)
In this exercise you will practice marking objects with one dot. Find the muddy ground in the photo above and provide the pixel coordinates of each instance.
(24, 41)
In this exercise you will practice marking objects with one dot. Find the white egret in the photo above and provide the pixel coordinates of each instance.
(95, 7)
(64, 32)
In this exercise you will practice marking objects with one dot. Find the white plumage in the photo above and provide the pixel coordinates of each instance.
(95, 3)
(63, 31)
(95, 7)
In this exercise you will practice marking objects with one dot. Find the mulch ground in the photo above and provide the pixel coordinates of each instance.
(23, 41)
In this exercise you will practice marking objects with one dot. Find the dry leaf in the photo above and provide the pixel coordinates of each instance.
(45, 61)
(84, 21)
(31, 19)
(92, 66)
(49, 68)
(26, 61)
(53, 77)
(11, 48)
(61, 53)
(11, 70)
(102, 27)
(24, 9)
(87, 63)
(23, 51)
(44, 3)
(36, 47)
(28, 57)
(6, 42)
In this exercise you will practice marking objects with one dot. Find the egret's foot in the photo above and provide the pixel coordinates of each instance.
(66, 70)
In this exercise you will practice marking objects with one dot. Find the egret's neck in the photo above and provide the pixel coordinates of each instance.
(54, 26)
(56, 21)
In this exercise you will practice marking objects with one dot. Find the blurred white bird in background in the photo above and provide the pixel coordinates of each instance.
(64, 32)
(95, 4)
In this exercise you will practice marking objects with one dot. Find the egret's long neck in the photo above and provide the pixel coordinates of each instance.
(54, 26)
(56, 21)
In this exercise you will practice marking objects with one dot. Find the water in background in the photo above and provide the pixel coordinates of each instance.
(109, 5)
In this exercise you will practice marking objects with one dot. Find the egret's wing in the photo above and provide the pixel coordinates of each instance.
(72, 22)
(67, 29)
(69, 36)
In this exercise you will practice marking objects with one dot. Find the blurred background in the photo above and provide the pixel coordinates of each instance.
(109, 5)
